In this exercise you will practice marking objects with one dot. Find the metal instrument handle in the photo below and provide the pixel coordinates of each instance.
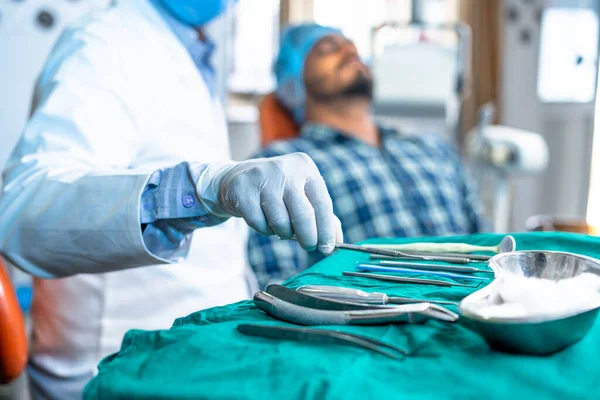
(380, 268)
(414, 312)
(473, 258)
(297, 314)
(344, 294)
(320, 303)
(359, 296)
(431, 267)
(392, 278)
(320, 336)
(427, 247)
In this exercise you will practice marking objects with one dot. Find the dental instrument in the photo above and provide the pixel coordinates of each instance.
(401, 279)
(434, 267)
(507, 244)
(321, 336)
(380, 268)
(359, 296)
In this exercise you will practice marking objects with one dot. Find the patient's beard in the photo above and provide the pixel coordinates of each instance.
(361, 87)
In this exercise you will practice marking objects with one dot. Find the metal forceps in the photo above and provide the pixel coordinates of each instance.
(302, 309)
(322, 336)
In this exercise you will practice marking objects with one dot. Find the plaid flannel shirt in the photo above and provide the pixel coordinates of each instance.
(409, 186)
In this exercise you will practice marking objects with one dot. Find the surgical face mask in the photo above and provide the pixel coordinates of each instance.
(196, 12)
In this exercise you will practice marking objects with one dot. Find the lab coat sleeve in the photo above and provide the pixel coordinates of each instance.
(71, 201)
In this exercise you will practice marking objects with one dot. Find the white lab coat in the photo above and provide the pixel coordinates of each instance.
(118, 98)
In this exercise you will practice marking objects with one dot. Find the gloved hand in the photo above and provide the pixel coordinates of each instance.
(283, 195)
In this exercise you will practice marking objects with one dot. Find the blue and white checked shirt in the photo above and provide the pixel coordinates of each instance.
(169, 208)
(409, 186)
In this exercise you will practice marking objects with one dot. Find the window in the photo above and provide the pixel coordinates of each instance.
(254, 42)
(593, 207)
(357, 18)
(568, 55)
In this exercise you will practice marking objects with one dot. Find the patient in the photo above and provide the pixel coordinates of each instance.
(383, 183)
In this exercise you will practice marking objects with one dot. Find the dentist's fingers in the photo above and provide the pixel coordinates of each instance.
(326, 221)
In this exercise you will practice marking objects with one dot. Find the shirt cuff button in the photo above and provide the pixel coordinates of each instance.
(188, 201)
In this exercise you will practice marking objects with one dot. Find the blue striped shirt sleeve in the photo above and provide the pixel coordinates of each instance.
(170, 210)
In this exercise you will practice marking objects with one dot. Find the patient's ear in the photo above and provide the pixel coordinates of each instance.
(276, 123)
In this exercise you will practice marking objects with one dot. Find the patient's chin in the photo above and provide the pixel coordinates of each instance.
(361, 86)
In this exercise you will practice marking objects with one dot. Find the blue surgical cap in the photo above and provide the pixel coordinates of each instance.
(296, 43)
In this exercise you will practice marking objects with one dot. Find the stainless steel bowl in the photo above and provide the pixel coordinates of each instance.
(539, 335)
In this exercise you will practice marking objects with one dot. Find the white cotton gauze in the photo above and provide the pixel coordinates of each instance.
(517, 297)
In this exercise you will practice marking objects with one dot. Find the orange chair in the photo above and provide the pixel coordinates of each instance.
(13, 337)
(276, 123)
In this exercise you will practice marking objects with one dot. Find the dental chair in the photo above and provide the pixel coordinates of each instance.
(13, 336)
(275, 121)
(498, 154)
(422, 74)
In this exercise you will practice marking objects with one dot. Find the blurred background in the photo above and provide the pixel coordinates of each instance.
(436, 63)
(512, 82)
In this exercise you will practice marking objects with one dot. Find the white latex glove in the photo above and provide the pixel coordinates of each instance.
(283, 195)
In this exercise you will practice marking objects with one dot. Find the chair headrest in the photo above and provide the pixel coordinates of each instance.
(13, 338)
(276, 123)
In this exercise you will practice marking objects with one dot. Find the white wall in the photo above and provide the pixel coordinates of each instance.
(568, 128)
(24, 46)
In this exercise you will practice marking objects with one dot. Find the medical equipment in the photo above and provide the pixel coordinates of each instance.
(507, 244)
(286, 294)
(433, 267)
(383, 250)
(359, 296)
(472, 258)
(499, 153)
(437, 60)
(320, 336)
(298, 308)
(400, 279)
(395, 269)
(536, 334)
